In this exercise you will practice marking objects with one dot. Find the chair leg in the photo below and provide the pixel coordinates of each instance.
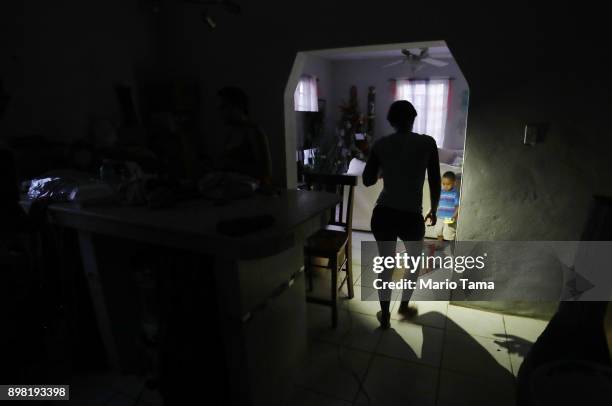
(349, 269)
(334, 291)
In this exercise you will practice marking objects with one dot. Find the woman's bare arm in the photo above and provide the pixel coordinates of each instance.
(371, 171)
(434, 180)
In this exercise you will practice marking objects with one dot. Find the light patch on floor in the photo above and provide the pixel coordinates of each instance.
(447, 355)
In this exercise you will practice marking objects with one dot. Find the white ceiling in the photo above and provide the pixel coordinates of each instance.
(434, 51)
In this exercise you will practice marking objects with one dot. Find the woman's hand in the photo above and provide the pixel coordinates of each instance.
(431, 216)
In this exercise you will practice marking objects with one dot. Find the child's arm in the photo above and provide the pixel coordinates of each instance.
(456, 213)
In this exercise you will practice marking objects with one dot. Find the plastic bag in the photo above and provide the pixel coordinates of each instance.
(52, 188)
(69, 186)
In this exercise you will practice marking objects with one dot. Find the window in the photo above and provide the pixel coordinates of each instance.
(430, 99)
(306, 95)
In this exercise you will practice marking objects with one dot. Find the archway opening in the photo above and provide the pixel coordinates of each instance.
(336, 101)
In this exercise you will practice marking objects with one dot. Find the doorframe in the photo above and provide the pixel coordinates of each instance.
(294, 77)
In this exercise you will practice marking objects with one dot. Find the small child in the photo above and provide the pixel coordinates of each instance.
(446, 226)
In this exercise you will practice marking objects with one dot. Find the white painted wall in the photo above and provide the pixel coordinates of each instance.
(369, 72)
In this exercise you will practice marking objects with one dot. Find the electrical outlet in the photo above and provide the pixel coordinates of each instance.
(534, 133)
(531, 135)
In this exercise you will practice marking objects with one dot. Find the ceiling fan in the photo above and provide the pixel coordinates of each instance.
(416, 59)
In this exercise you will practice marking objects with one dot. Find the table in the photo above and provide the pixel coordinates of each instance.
(264, 266)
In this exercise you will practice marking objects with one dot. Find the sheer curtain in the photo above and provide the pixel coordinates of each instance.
(306, 95)
(430, 99)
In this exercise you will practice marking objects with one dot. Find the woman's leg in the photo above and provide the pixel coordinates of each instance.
(413, 231)
(383, 227)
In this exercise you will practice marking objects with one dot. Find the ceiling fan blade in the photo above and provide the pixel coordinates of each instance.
(435, 62)
(394, 63)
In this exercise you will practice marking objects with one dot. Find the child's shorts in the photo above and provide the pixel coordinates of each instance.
(447, 231)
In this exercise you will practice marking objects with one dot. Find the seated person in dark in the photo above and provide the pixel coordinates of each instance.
(245, 147)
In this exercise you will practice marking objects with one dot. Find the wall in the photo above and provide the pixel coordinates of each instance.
(540, 192)
(60, 62)
(369, 72)
(515, 192)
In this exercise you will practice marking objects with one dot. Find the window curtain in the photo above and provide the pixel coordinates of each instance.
(306, 97)
(430, 99)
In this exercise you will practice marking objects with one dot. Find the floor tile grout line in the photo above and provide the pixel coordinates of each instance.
(446, 315)
(378, 354)
(338, 348)
(418, 364)
(404, 321)
(440, 366)
(365, 375)
(341, 345)
(468, 374)
(414, 323)
(463, 332)
(407, 361)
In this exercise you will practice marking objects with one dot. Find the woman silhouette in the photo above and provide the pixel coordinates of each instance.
(401, 160)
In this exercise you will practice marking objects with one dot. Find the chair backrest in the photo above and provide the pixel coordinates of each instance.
(342, 213)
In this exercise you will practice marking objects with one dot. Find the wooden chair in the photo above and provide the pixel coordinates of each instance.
(330, 248)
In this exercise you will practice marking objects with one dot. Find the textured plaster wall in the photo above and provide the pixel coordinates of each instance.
(515, 192)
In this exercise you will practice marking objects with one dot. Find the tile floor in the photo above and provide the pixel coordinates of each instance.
(447, 355)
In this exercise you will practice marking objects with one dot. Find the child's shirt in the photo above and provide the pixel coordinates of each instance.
(449, 200)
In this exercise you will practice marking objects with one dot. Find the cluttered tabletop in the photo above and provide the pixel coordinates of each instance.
(200, 224)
